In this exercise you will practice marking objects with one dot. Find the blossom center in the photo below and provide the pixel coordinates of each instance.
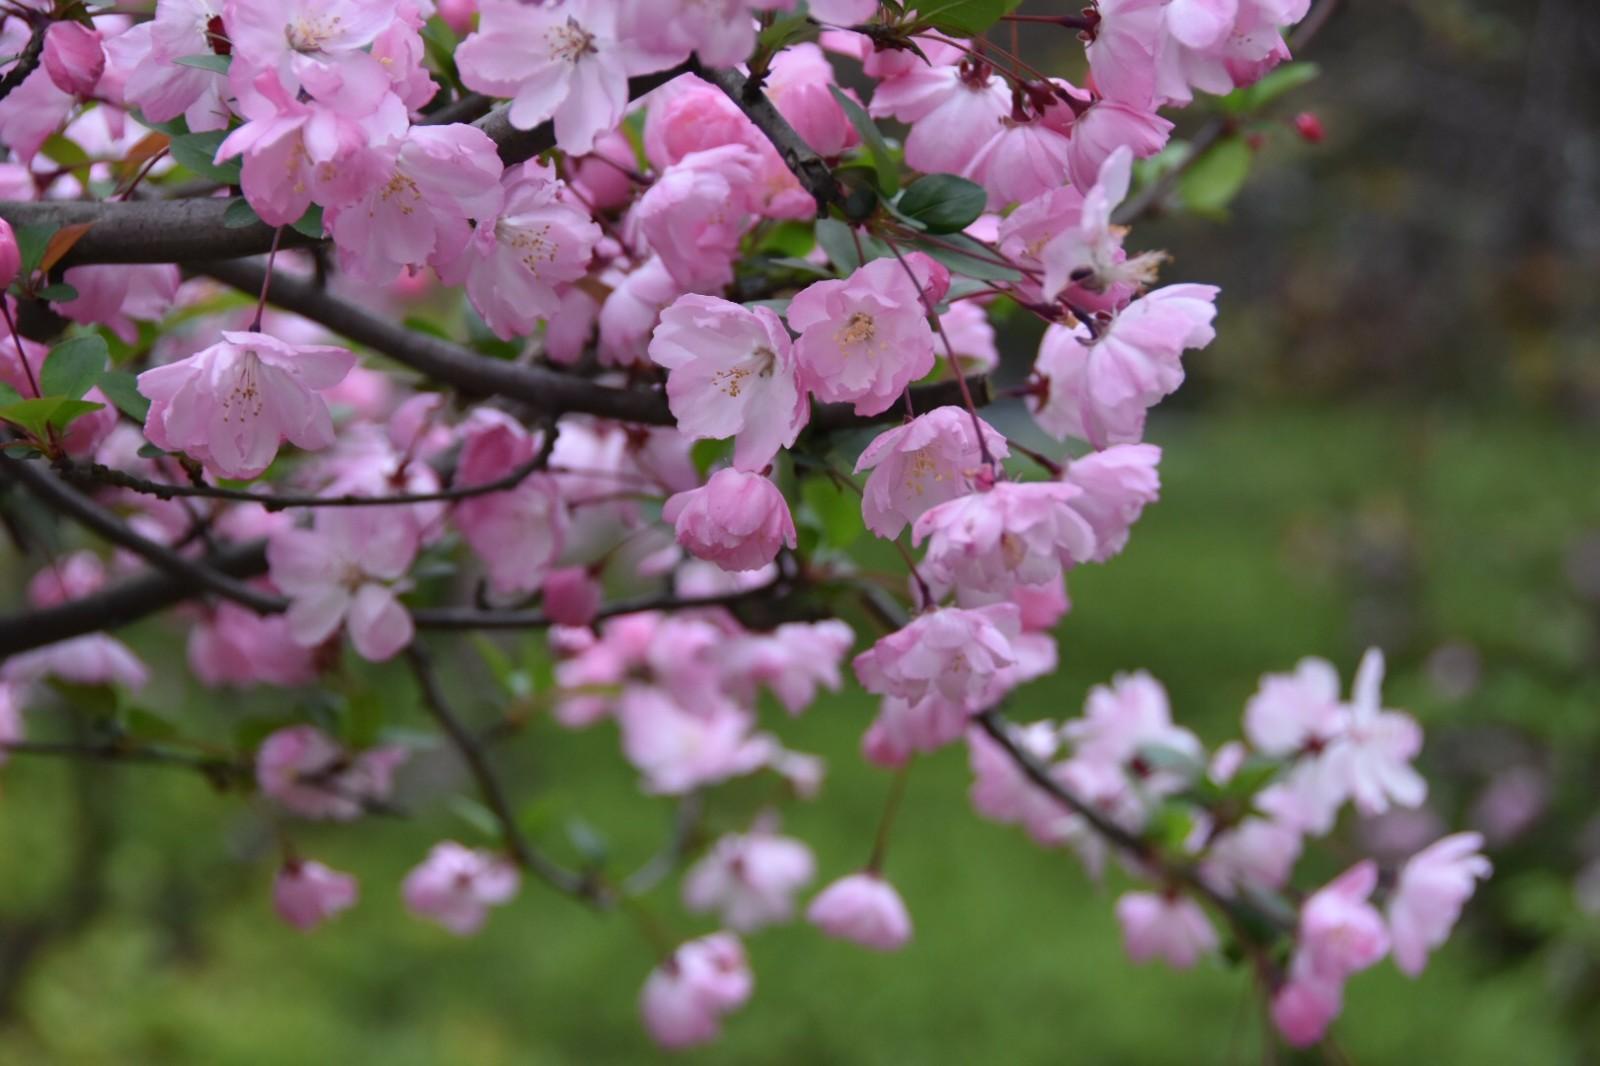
(570, 41)
(310, 33)
(533, 244)
(859, 328)
(243, 401)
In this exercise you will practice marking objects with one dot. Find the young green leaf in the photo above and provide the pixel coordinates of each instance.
(74, 366)
(1211, 183)
(963, 18)
(883, 160)
(197, 152)
(942, 203)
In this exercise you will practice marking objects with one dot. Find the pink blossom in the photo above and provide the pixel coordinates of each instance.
(1165, 926)
(864, 909)
(722, 33)
(518, 533)
(736, 520)
(32, 112)
(234, 645)
(966, 326)
(1107, 126)
(1292, 712)
(604, 179)
(631, 310)
(1374, 755)
(1015, 533)
(1255, 852)
(310, 774)
(794, 660)
(315, 46)
(1098, 389)
(426, 187)
(684, 999)
(838, 12)
(689, 115)
(73, 57)
(344, 571)
(569, 61)
(1115, 485)
(903, 729)
(696, 212)
(749, 879)
(1340, 932)
(455, 886)
(863, 339)
(1090, 254)
(10, 256)
(305, 893)
(1126, 716)
(1304, 1008)
(159, 87)
(71, 578)
(953, 110)
(958, 654)
(915, 466)
(514, 263)
(120, 296)
(92, 659)
(1002, 793)
(679, 750)
(1019, 161)
(231, 405)
(1433, 886)
(798, 86)
(571, 596)
(11, 723)
(731, 373)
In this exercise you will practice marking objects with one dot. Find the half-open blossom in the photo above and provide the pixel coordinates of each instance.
(305, 893)
(1340, 931)
(456, 885)
(1115, 485)
(1433, 886)
(1015, 533)
(958, 654)
(73, 57)
(344, 571)
(568, 61)
(749, 879)
(695, 213)
(231, 405)
(863, 339)
(684, 999)
(736, 520)
(308, 773)
(864, 909)
(1165, 926)
(918, 465)
(799, 85)
(731, 373)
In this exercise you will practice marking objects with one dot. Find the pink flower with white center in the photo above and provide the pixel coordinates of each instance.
(1115, 485)
(953, 109)
(958, 654)
(120, 296)
(1016, 533)
(1098, 388)
(456, 885)
(1169, 927)
(679, 750)
(234, 645)
(318, 46)
(794, 660)
(731, 373)
(1126, 716)
(736, 520)
(1104, 128)
(684, 999)
(863, 339)
(749, 879)
(73, 57)
(518, 533)
(1340, 931)
(864, 909)
(515, 262)
(161, 88)
(1090, 254)
(696, 212)
(903, 729)
(305, 893)
(915, 466)
(231, 405)
(430, 182)
(569, 61)
(1019, 161)
(346, 570)
(308, 773)
(1374, 755)
(1433, 886)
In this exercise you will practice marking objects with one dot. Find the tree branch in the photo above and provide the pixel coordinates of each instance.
(811, 170)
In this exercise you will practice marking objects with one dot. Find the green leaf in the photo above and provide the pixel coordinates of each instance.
(122, 388)
(1172, 760)
(943, 203)
(1280, 81)
(150, 451)
(64, 151)
(147, 725)
(588, 842)
(790, 239)
(239, 214)
(708, 453)
(73, 366)
(206, 61)
(883, 160)
(40, 416)
(309, 223)
(963, 18)
(1213, 180)
(8, 395)
(835, 512)
(31, 244)
(197, 151)
(476, 815)
(835, 238)
(789, 28)
(59, 293)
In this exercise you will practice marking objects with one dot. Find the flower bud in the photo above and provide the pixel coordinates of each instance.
(865, 909)
(73, 57)
(10, 255)
(1309, 127)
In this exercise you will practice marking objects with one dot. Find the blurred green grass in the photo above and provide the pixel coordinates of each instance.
(1307, 532)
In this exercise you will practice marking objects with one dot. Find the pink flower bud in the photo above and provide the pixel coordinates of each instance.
(73, 57)
(571, 596)
(10, 255)
(306, 894)
(736, 520)
(458, 14)
(865, 909)
(1309, 127)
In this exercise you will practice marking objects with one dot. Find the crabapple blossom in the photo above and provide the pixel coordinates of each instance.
(1121, 718)
(695, 213)
(678, 750)
(1427, 898)
(571, 596)
(749, 879)
(1373, 757)
(864, 909)
(305, 893)
(161, 88)
(1114, 487)
(1169, 927)
(344, 570)
(308, 773)
(455, 886)
(73, 57)
(952, 107)
(737, 520)
(1091, 254)
(731, 373)
(685, 998)
(237, 646)
(1015, 533)
(1020, 160)
(518, 533)
(1340, 932)
(931, 459)
(10, 256)
(958, 654)
(863, 339)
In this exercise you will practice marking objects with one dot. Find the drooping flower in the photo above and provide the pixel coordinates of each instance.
(731, 373)
(921, 464)
(1165, 926)
(305, 893)
(231, 405)
(736, 520)
(1090, 254)
(961, 655)
(73, 57)
(684, 999)
(749, 879)
(1340, 932)
(310, 774)
(1016, 533)
(455, 886)
(1115, 485)
(864, 909)
(695, 213)
(1433, 886)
